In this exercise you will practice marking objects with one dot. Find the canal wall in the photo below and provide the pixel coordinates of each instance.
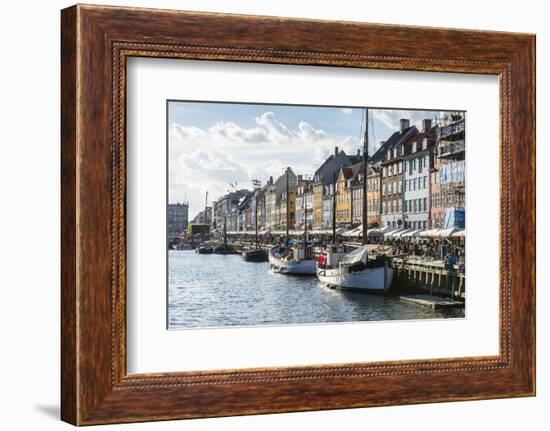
(411, 274)
(429, 277)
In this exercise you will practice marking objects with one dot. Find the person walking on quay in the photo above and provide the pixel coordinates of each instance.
(450, 261)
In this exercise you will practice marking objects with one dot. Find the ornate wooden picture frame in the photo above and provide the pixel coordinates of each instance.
(96, 41)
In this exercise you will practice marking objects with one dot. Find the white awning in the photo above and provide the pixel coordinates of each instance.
(459, 233)
(412, 233)
(445, 233)
(431, 233)
(438, 233)
(375, 232)
(394, 233)
(358, 231)
(402, 233)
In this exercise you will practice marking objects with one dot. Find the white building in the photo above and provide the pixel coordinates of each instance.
(416, 179)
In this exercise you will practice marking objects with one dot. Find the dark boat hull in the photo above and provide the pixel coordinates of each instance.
(205, 250)
(258, 255)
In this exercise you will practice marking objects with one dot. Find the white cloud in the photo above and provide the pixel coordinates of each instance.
(233, 131)
(203, 160)
(390, 118)
(347, 111)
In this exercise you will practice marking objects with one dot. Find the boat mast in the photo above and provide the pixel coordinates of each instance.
(365, 171)
(334, 207)
(305, 216)
(206, 209)
(225, 231)
(256, 220)
(287, 204)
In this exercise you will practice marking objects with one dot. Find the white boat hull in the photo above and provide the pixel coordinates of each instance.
(370, 280)
(301, 267)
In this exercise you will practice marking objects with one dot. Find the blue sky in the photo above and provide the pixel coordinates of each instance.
(214, 144)
(205, 115)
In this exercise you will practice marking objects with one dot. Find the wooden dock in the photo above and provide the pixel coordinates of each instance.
(429, 276)
(434, 302)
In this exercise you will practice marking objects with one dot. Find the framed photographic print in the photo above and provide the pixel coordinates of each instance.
(267, 215)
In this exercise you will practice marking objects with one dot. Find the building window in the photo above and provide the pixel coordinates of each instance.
(420, 165)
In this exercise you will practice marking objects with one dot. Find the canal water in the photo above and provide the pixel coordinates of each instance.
(216, 290)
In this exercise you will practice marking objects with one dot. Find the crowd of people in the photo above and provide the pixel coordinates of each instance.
(449, 250)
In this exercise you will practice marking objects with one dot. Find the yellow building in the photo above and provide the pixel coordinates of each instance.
(317, 222)
(373, 198)
(291, 211)
(343, 197)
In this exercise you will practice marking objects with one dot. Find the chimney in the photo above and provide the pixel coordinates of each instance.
(426, 124)
(403, 124)
(358, 151)
(271, 180)
(335, 151)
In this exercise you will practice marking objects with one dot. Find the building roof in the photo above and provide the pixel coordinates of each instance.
(417, 137)
(392, 141)
(333, 164)
(347, 172)
(357, 168)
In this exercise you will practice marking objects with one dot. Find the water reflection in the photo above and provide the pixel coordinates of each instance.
(217, 290)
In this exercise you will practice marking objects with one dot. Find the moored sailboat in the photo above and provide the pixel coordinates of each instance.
(224, 247)
(256, 254)
(355, 270)
(296, 257)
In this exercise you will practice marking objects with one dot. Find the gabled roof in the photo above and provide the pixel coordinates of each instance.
(356, 159)
(283, 176)
(328, 159)
(340, 160)
(417, 137)
(392, 141)
(357, 168)
(346, 173)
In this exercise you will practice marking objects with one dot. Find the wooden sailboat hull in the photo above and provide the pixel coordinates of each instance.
(256, 255)
(373, 280)
(299, 267)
